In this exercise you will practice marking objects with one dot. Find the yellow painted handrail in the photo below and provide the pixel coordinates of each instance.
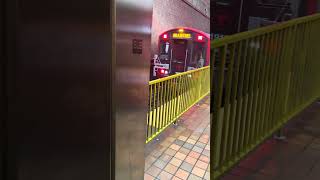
(261, 79)
(171, 96)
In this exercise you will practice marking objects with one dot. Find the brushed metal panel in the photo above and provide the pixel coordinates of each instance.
(133, 24)
(2, 98)
(60, 91)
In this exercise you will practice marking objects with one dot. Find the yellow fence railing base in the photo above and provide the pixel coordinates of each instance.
(172, 96)
(261, 79)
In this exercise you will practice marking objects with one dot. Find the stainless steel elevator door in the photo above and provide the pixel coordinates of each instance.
(60, 90)
(2, 95)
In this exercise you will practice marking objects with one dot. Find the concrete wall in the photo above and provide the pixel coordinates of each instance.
(168, 14)
(295, 7)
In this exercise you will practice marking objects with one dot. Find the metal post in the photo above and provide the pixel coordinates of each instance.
(132, 42)
(280, 135)
(240, 16)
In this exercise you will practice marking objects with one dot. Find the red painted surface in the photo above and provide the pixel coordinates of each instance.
(205, 35)
(311, 7)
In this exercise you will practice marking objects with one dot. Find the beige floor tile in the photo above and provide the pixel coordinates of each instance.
(170, 168)
(180, 156)
(165, 176)
(191, 160)
(202, 165)
(198, 172)
(182, 174)
(176, 162)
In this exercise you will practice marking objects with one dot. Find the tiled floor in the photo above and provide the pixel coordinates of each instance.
(182, 151)
(295, 158)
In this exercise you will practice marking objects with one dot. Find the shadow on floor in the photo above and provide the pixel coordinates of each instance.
(295, 158)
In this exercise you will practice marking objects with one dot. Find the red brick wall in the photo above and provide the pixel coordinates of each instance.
(168, 14)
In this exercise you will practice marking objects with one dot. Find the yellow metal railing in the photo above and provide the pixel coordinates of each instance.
(261, 79)
(171, 96)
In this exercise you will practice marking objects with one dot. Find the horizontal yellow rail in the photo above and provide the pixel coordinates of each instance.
(171, 96)
(261, 79)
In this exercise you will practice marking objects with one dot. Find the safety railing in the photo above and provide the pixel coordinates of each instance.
(171, 96)
(261, 79)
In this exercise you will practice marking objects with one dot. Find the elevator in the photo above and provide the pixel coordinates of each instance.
(73, 84)
(2, 95)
